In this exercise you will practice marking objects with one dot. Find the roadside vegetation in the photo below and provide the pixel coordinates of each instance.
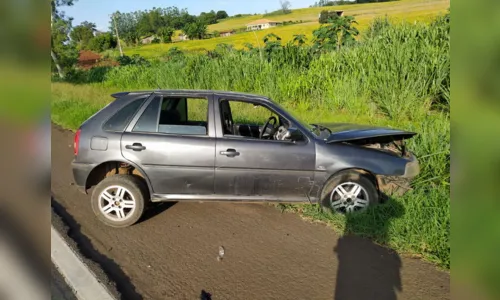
(392, 74)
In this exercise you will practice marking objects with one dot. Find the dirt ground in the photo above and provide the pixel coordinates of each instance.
(172, 253)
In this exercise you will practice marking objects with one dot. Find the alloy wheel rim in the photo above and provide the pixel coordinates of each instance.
(349, 197)
(117, 203)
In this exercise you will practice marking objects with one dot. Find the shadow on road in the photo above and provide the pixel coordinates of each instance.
(205, 296)
(155, 209)
(109, 266)
(367, 270)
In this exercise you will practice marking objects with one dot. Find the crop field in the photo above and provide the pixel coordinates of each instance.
(404, 10)
(399, 77)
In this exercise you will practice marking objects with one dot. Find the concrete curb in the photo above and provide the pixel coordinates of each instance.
(77, 275)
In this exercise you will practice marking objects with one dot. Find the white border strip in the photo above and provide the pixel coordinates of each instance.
(77, 275)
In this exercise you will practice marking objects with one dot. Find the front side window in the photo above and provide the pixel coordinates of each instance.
(120, 119)
(179, 115)
(251, 120)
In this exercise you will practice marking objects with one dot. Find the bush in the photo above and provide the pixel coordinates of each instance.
(327, 16)
(102, 42)
(93, 75)
(135, 59)
(166, 34)
(110, 54)
(174, 53)
(279, 12)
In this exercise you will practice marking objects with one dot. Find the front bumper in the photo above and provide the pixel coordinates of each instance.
(80, 174)
(399, 185)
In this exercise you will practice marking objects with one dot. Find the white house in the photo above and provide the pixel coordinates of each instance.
(262, 24)
(226, 33)
(183, 37)
(148, 40)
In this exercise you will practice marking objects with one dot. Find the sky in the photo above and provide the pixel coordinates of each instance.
(99, 11)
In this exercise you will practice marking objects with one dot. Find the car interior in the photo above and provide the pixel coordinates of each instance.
(275, 127)
(189, 116)
(174, 117)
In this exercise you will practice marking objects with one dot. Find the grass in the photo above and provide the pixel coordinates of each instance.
(398, 78)
(408, 10)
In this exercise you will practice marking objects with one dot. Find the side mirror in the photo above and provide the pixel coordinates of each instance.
(294, 135)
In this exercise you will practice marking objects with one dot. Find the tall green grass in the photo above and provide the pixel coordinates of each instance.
(398, 76)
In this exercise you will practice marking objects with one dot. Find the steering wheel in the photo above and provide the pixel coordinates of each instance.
(267, 124)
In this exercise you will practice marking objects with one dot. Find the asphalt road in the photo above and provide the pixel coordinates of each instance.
(172, 253)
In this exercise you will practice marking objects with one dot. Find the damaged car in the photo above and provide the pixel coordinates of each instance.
(192, 145)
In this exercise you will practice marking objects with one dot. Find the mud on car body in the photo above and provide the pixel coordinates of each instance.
(192, 145)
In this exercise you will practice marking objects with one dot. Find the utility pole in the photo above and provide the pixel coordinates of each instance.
(117, 36)
(52, 53)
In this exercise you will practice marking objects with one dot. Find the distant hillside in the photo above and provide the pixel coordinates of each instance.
(360, 11)
(409, 10)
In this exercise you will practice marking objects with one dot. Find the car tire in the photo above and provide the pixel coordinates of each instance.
(332, 199)
(120, 210)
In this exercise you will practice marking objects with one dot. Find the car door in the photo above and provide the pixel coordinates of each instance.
(173, 141)
(252, 168)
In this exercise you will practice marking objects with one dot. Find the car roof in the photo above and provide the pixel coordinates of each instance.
(195, 92)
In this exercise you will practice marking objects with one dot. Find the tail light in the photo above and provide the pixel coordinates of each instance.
(77, 142)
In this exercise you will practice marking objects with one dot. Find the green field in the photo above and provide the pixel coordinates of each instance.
(408, 10)
(397, 78)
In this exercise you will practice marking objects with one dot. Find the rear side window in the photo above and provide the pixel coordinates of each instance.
(179, 116)
(148, 122)
(120, 120)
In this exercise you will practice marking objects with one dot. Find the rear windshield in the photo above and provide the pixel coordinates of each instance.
(121, 118)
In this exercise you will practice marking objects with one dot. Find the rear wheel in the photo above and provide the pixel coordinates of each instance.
(348, 192)
(119, 200)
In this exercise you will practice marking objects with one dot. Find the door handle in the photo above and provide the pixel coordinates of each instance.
(136, 147)
(230, 153)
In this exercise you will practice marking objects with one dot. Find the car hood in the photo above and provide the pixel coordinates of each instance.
(346, 132)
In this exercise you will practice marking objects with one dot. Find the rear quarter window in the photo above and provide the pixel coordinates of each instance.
(121, 118)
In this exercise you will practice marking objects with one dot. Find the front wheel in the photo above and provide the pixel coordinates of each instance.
(119, 200)
(348, 192)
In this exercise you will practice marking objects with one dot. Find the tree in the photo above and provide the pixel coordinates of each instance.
(333, 36)
(83, 33)
(196, 30)
(149, 22)
(300, 39)
(328, 16)
(63, 53)
(166, 34)
(285, 6)
(272, 44)
(222, 14)
(102, 42)
(126, 24)
(208, 18)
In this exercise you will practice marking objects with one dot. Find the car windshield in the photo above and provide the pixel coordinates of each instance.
(315, 129)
